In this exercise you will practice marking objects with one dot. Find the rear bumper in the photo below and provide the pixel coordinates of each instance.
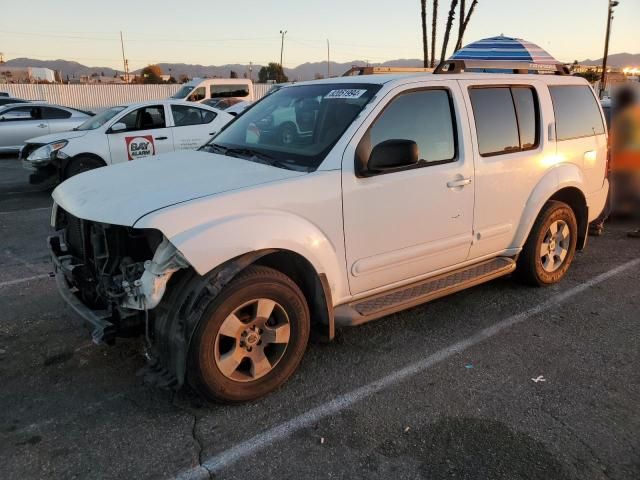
(596, 201)
(102, 330)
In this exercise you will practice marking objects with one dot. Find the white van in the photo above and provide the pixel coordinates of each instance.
(198, 89)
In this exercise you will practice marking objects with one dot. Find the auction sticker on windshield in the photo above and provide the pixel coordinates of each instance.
(138, 147)
(345, 93)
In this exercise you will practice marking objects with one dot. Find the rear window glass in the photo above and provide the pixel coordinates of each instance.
(506, 119)
(187, 115)
(54, 113)
(577, 112)
(496, 122)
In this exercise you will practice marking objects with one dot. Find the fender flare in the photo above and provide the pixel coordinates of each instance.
(563, 176)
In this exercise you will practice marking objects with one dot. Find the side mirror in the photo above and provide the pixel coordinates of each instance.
(118, 127)
(392, 154)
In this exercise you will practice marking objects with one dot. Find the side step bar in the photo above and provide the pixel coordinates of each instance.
(386, 303)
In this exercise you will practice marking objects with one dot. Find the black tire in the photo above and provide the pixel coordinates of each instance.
(81, 164)
(204, 373)
(287, 134)
(531, 262)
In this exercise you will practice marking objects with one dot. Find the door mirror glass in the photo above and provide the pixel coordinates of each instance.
(392, 154)
(119, 127)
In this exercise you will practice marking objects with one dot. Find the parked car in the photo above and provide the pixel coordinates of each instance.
(199, 90)
(408, 188)
(120, 134)
(19, 122)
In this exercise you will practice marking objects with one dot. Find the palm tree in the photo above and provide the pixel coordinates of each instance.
(447, 31)
(465, 22)
(434, 26)
(425, 42)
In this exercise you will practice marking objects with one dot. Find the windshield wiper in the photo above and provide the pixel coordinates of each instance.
(258, 157)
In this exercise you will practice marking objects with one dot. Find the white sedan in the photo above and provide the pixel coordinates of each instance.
(121, 134)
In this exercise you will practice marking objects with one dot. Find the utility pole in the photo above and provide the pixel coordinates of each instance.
(603, 77)
(328, 61)
(124, 61)
(251, 71)
(282, 33)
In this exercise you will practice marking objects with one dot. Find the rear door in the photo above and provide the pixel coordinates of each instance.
(511, 152)
(59, 119)
(21, 123)
(146, 134)
(194, 126)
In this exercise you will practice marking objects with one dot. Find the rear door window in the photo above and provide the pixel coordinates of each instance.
(576, 110)
(21, 113)
(184, 115)
(506, 119)
(51, 113)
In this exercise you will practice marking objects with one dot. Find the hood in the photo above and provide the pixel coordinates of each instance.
(54, 137)
(123, 193)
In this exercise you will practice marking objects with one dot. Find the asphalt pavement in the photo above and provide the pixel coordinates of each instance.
(500, 381)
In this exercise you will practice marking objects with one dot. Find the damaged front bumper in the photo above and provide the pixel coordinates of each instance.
(102, 330)
(130, 298)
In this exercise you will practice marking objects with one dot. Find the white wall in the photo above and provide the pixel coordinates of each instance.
(98, 97)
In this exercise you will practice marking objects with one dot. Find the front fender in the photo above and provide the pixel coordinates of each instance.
(562, 176)
(211, 244)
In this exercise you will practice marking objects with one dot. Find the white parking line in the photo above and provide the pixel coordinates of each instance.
(227, 457)
(23, 280)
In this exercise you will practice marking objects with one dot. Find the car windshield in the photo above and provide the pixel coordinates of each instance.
(183, 92)
(100, 119)
(294, 127)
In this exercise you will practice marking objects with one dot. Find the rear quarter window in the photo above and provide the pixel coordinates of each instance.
(576, 110)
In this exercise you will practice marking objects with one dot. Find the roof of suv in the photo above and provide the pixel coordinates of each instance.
(400, 78)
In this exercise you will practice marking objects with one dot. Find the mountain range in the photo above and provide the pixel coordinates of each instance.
(305, 71)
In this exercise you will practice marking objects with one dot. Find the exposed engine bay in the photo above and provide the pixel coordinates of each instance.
(119, 273)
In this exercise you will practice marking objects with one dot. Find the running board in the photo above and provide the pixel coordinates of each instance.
(386, 303)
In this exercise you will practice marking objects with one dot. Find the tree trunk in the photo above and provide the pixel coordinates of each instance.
(461, 18)
(425, 42)
(465, 23)
(447, 31)
(434, 27)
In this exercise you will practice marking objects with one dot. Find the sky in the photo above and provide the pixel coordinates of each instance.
(242, 31)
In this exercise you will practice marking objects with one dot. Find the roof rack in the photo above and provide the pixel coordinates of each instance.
(355, 70)
(460, 66)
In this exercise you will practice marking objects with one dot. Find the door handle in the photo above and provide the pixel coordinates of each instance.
(161, 138)
(42, 125)
(459, 183)
(213, 133)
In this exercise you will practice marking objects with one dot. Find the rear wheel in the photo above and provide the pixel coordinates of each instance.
(81, 164)
(551, 246)
(250, 338)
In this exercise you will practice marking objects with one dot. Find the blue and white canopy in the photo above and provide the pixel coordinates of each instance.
(504, 48)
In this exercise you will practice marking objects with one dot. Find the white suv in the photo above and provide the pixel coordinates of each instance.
(408, 188)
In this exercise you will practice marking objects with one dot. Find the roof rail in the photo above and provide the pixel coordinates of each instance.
(355, 70)
(460, 66)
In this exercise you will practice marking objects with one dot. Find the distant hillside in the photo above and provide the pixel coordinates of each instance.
(68, 68)
(617, 60)
(306, 71)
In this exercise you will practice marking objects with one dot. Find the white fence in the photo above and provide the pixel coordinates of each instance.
(96, 97)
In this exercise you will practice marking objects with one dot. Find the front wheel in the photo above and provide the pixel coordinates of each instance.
(250, 338)
(551, 246)
(79, 165)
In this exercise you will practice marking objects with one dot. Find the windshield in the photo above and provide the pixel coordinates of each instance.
(294, 127)
(183, 92)
(100, 119)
